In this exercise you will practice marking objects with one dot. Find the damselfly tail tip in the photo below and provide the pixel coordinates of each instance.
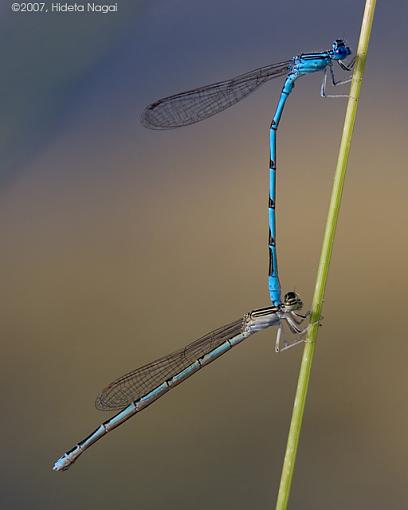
(61, 464)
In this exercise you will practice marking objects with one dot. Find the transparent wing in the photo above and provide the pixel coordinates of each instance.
(141, 381)
(198, 104)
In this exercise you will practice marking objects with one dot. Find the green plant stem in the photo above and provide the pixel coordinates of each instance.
(327, 248)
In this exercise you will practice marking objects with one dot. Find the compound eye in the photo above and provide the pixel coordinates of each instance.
(290, 296)
(338, 45)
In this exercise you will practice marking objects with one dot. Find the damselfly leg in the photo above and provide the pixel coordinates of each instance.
(349, 66)
(299, 318)
(293, 320)
(297, 335)
(335, 83)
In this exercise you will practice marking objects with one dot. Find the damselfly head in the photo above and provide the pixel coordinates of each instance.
(291, 301)
(339, 50)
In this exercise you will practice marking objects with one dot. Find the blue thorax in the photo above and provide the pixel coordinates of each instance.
(307, 63)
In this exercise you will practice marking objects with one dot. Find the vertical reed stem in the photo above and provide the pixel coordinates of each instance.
(327, 248)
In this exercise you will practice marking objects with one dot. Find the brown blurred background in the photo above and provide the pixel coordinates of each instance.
(121, 244)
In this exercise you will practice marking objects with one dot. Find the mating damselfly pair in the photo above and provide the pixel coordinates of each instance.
(138, 389)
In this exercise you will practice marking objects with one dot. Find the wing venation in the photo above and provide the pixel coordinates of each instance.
(139, 382)
(199, 104)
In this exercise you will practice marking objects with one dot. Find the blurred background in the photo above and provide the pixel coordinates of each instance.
(120, 245)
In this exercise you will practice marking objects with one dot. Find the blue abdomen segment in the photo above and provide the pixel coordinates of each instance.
(274, 284)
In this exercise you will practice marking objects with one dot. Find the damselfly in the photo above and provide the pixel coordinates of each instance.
(199, 104)
(138, 389)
